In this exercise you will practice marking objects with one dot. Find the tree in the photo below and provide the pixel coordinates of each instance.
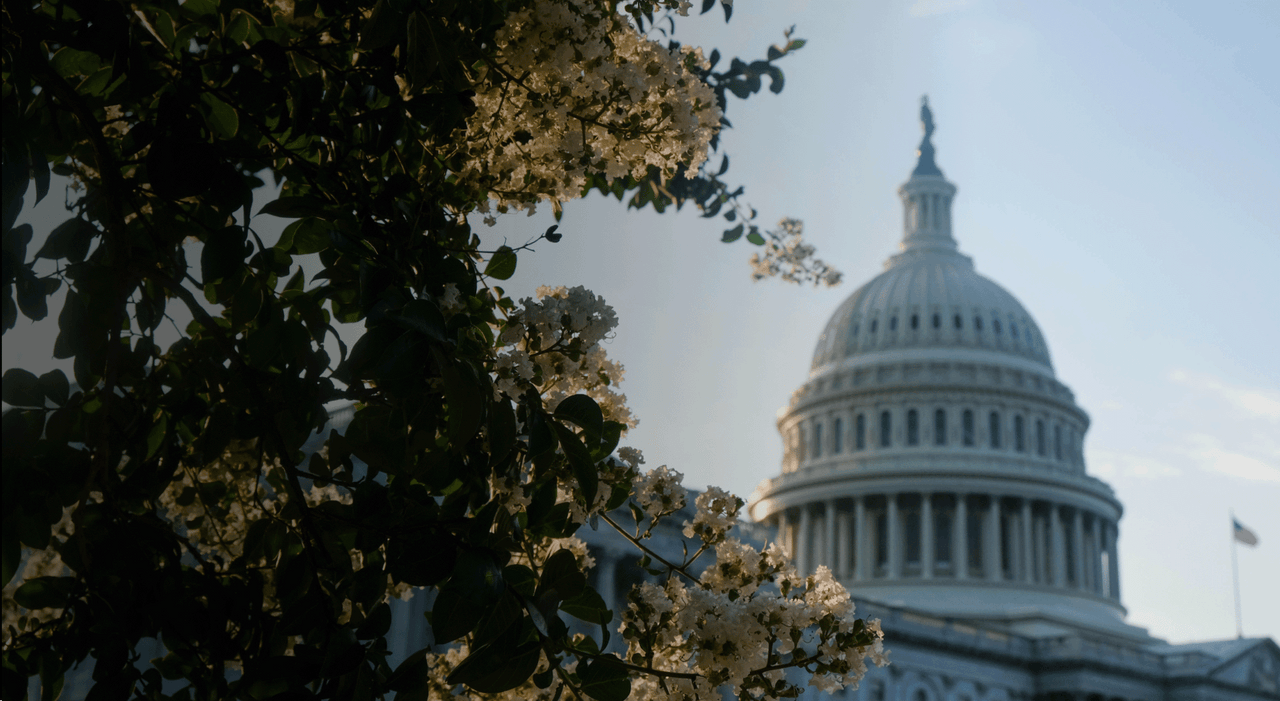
(165, 494)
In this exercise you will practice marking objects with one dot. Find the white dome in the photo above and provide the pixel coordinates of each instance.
(930, 301)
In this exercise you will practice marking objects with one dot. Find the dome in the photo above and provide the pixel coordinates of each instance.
(930, 303)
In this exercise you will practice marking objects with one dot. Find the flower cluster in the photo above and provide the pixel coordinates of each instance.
(786, 255)
(576, 90)
(554, 344)
(744, 621)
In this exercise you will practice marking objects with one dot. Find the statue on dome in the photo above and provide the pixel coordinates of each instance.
(926, 165)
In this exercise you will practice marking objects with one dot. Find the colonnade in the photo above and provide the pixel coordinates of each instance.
(957, 536)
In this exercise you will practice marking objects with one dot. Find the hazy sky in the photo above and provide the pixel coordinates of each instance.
(1118, 168)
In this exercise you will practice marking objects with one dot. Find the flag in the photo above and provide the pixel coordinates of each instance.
(1244, 535)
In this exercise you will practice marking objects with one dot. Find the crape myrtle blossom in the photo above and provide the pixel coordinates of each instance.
(554, 345)
(744, 620)
(786, 255)
(575, 90)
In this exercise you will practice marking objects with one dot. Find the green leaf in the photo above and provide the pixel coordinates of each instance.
(383, 26)
(492, 670)
(44, 592)
(502, 265)
(296, 207)
(584, 468)
(605, 679)
(69, 240)
(731, 235)
(588, 606)
(54, 385)
(583, 411)
(68, 62)
(453, 616)
(222, 118)
(310, 236)
(21, 388)
(755, 238)
(561, 577)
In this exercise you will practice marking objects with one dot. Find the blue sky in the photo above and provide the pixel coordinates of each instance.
(1118, 168)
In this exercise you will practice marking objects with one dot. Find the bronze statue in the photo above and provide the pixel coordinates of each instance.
(926, 165)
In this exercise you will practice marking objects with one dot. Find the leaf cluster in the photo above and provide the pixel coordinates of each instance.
(194, 343)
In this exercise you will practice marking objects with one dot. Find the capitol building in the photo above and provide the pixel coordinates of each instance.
(933, 461)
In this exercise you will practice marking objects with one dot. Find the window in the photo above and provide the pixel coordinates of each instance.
(937, 321)
(1040, 437)
(854, 332)
(817, 440)
(995, 324)
(874, 323)
(915, 321)
(977, 323)
(860, 432)
(940, 427)
(966, 426)
(1013, 329)
(1057, 441)
(837, 429)
(885, 430)
(893, 323)
(959, 323)
(1019, 439)
(913, 428)
(994, 429)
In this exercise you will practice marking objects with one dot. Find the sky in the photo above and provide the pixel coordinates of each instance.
(1118, 168)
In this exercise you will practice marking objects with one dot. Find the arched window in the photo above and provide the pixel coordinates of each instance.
(1019, 435)
(966, 427)
(854, 332)
(937, 321)
(995, 324)
(915, 321)
(817, 440)
(886, 430)
(977, 323)
(940, 427)
(874, 323)
(1041, 447)
(837, 431)
(1057, 441)
(994, 429)
(860, 432)
(959, 322)
(1013, 329)
(913, 427)
(893, 323)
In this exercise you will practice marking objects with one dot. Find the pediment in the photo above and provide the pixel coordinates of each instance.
(1257, 667)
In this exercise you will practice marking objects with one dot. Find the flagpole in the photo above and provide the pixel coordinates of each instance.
(1235, 578)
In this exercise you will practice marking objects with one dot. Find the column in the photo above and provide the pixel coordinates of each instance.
(1077, 543)
(1027, 561)
(993, 555)
(843, 569)
(606, 566)
(861, 572)
(1097, 554)
(803, 541)
(895, 541)
(1059, 558)
(1113, 556)
(829, 520)
(960, 536)
(926, 536)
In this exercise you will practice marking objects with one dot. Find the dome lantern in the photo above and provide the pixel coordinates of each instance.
(926, 201)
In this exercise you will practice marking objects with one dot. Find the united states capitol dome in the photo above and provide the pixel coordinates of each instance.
(930, 300)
